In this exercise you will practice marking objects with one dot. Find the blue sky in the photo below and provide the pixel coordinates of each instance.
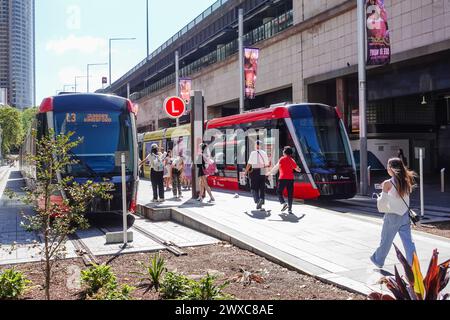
(72, 33)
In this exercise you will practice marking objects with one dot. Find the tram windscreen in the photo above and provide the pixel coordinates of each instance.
(322, 137)
(104, 136)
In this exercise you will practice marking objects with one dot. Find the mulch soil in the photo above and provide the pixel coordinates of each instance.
(251, 277)
(439, 229)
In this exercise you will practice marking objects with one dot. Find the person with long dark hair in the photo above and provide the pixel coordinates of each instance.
(394, 202)
(286, 166)
(202, 160)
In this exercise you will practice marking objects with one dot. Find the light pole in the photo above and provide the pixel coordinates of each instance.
(148, 36)
(111, 40)
(68, 85)
(76, 78)
(362, 96)
(241, 61)
(87, 72)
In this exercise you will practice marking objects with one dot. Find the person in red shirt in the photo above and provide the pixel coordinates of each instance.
(286, 166)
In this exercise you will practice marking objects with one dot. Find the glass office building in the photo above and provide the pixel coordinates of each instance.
(17, 56)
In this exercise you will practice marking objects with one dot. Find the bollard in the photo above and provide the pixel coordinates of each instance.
(422, 206)
(443, 180)
(124, 201)
(369, 175)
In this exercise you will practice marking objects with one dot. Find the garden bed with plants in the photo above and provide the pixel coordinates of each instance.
(441, 229)
(212, 272)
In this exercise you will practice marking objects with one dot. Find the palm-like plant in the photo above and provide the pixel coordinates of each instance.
(152, 271)
(416, 287)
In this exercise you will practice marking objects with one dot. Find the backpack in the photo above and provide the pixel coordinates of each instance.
(158, 164)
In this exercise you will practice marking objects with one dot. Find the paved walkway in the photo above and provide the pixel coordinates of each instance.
(324, 243)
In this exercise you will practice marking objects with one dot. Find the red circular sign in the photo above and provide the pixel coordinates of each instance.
(175, 107)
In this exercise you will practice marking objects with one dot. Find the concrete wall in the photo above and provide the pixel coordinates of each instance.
(302, 53)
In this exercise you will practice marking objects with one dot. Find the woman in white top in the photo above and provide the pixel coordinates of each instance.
(394, 202)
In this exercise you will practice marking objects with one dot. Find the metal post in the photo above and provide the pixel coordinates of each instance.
(362, 95)
(369, 176)
(124, 201)
(87, 76)
(128, 90)
(422, 206)
(109, 64)
(443, 180)
(241, 60)
(148, 36)
(197, 130)
(177, 78)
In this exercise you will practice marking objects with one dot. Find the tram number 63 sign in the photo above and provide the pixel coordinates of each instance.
(175, 107)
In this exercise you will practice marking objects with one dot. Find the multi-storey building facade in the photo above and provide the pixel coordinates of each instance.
(17, 57)
(308, 52)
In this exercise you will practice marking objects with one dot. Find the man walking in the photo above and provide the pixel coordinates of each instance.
(256, 165)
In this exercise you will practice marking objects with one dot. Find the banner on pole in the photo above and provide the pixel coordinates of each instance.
(185, 90)
(251, 56)
(378, 37)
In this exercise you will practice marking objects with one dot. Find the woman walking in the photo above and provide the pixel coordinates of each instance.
(286, 165)
(177, 172)
(168, 170)
(202, 160)
(394, 202)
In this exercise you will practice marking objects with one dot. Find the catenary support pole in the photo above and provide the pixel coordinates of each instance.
(177, 78)
(241, 60)
(362, 96)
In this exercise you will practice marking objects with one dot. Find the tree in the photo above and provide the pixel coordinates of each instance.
(28, 115)
(12, 130)
(56, 221)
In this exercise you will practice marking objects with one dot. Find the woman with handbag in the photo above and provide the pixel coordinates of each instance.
(203, 161)
(394, 202)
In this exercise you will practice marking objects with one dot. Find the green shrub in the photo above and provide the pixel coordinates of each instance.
(153, 271)
(113, 293)
(207, 289)
(13, 284)
(98, 277)
(175, 285)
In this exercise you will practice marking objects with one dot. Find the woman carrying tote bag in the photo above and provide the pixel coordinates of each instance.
(394, 202)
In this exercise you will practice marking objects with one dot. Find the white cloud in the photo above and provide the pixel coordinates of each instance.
(86, 45)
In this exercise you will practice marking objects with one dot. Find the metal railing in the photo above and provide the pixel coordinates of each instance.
(261, 33)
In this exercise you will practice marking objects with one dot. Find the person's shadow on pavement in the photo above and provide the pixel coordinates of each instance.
(290, 218)
(258, 214)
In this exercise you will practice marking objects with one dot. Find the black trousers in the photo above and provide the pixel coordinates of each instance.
(258, 185)
(289, 185)
(157, 178)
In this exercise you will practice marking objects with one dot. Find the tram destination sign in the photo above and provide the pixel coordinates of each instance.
(174, 107)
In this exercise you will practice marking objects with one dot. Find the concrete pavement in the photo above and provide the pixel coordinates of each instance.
(330, 245)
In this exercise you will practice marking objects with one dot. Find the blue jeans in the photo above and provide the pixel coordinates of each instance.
(392, 224)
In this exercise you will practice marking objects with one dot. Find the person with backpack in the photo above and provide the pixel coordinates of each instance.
(394, 203)
(203, 161)
(156, 160)
(286, 166)
(257, 163)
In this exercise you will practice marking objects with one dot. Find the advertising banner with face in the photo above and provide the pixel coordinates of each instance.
(378, 37)
(251, 56)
